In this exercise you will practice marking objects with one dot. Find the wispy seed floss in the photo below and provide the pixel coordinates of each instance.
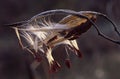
(42, 34)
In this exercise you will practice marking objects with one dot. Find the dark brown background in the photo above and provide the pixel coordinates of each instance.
(101, 58)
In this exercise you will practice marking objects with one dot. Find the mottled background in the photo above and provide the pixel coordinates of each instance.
(101, 58)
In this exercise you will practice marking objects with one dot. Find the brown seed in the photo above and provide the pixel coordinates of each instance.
(68, 63)
(55, 66)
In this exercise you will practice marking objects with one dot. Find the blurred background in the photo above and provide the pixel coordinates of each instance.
(101, 58)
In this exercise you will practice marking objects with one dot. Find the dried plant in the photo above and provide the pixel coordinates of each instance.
(42, 34)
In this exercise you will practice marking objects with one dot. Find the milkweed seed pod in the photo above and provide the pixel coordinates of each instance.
(51, 28)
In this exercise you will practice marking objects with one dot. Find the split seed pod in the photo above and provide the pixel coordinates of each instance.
(42, 34)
